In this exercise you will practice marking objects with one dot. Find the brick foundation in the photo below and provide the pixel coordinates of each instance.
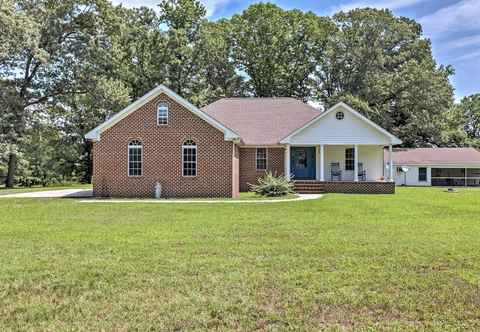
(346, 187)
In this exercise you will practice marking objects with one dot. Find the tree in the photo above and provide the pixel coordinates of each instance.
(218, 73)
(278, 49)
(385, 62)
(44, 70)
(183, 19)
(470, 111)
(84, 112)
(464, 123)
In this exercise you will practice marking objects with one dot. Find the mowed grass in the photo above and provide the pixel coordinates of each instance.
(409, 261)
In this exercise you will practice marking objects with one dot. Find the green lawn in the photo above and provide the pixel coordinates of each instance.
(409, 261)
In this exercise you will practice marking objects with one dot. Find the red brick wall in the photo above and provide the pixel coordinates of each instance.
(248, 172)
(162, 156)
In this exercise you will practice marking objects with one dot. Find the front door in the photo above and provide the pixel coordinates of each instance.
(303, 162)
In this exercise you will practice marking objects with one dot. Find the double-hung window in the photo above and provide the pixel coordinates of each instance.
(349, 159)
(261, 159)
(162, 114)
(189, 158)
(135, 158)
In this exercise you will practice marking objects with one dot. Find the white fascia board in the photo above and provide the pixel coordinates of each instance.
(94, 134)
(393, 139)
(440, 165)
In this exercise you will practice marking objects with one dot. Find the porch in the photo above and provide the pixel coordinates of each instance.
(336, 163)
(338, 169)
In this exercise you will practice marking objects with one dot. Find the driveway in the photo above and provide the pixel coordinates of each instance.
(61, 193)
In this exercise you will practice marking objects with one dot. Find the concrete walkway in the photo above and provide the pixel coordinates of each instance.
(59, 193)
(87, 193)
(301, 197)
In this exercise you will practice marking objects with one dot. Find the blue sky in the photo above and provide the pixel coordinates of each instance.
(452, 25)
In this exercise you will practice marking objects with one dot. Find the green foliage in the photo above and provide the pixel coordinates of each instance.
(469, 110)
(384, 62)
(272, 185)
(66, 66)
(278, 49)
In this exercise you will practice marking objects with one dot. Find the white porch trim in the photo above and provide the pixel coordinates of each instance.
(287, 161)
(390, 159)
(355, 163)
(322, 162)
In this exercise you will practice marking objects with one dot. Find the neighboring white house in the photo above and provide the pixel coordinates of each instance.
(435, 166)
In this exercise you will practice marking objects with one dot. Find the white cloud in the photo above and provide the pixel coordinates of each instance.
(463, 42)
(379, 4)
(137, 3)
(468, 56)
(462, 16)
(210, 5)
(213, 5)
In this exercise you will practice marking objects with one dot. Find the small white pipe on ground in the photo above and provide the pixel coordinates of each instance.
(158, 190)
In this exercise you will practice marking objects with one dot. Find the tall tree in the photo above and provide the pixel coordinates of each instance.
(385, 62)
(278, 49)
(183, 20)
(43, 71)
(470, 111)
(464, 123)
(218, 75)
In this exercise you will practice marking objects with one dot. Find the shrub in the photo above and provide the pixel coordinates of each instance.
(272, 185)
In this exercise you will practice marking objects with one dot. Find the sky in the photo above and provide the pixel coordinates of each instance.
(452, 25)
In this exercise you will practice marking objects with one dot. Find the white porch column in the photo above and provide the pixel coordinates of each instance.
(317, 162)
(287, 161)
(355, 163)
(390, 160)
(322, 162)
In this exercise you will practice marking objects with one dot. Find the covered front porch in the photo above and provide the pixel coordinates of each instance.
(340, 151)
(336, 163)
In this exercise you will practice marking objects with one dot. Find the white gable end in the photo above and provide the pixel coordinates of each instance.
(352, 129)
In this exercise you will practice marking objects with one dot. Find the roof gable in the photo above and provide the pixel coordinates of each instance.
(95, 133)
(353, 129)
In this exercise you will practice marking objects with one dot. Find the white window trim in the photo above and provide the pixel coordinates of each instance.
(162, 103)
(266, 160)
(128, 158)
(196, 159)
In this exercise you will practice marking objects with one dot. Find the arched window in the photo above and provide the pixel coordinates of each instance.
(135, 158)
(189, 158)
(162, 114)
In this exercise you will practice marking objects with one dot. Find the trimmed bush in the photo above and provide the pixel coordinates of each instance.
(272, 185)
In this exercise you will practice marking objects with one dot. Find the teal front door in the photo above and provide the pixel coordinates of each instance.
(302, 162)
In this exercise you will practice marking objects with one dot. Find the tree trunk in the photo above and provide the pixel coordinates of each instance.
(12, 168)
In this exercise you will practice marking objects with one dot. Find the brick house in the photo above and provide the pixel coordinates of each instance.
(217, 150)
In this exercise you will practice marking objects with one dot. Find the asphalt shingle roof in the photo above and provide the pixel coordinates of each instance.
(435, 156)
(261, 121)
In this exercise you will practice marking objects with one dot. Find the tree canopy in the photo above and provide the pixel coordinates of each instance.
(66, 66)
